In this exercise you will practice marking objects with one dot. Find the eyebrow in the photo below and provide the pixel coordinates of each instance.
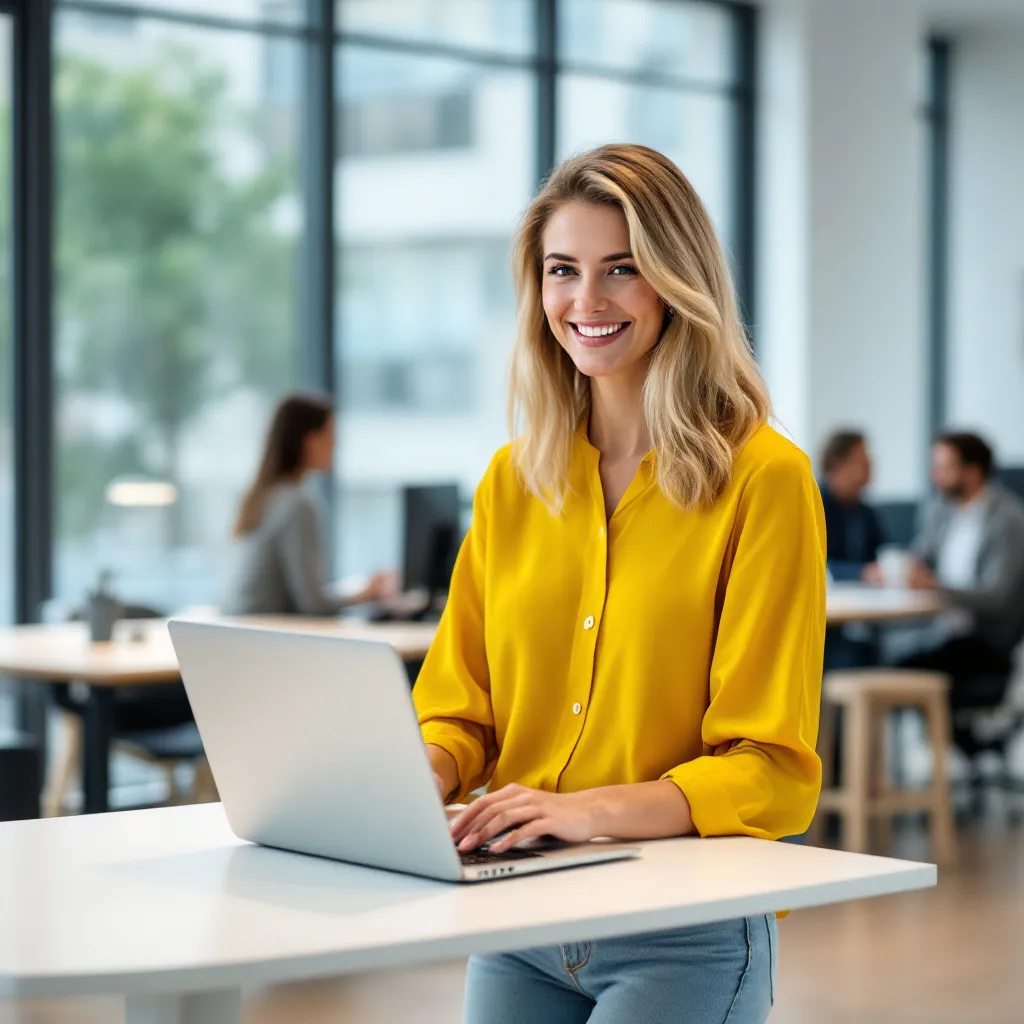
(560, 256)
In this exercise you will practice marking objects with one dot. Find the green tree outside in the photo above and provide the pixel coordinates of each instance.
(174, 284)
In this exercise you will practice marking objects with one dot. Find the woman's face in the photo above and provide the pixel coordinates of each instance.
(319, 454)
(603, 313)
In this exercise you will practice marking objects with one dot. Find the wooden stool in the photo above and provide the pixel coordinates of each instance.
(866, 697)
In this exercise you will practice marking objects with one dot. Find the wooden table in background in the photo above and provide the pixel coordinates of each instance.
(141, 654)
(853, 602)
(64, 654)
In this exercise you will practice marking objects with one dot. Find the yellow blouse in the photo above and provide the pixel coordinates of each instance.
(577, 651)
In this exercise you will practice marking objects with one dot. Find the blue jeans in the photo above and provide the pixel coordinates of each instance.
(710, 974)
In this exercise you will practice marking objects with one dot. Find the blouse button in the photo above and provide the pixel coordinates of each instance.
(588, 622)
(577, 708)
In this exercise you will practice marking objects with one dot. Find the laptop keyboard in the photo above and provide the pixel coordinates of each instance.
(485, 857)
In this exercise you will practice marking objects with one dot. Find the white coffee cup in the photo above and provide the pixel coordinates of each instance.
(894, 564)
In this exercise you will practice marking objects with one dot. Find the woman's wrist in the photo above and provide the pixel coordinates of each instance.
(445, 768)
(646, 810)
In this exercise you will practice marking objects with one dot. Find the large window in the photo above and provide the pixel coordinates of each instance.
(437, 159)
(179, 215)
(254, 195)
(659, 73)
(425, 308)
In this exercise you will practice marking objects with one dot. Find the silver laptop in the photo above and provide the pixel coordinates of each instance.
(315, 748)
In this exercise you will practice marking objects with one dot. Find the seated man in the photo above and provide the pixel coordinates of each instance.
(971, 549)
(854, 533)
(854, 530)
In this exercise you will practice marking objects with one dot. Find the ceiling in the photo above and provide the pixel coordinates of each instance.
(948, 14)
(971, 13)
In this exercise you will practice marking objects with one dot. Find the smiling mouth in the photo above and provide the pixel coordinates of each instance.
(598, 334)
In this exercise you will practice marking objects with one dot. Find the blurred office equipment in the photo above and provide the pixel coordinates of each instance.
(431, 535)
(102, 609)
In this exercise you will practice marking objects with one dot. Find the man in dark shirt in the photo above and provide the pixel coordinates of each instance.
(854, 532)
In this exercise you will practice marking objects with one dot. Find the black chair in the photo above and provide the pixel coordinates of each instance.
(899, 521)
(988, 727)
(1012, 478)
(21, 779)
(152, 723)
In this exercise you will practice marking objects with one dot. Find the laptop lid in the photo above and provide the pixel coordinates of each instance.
(314, 745)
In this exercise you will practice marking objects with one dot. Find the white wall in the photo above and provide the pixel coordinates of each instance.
(986, 337)
(841, 321)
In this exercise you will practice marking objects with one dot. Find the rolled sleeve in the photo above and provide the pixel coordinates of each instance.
(760, 775)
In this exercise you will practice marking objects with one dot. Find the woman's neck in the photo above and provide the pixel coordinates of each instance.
(618, 428)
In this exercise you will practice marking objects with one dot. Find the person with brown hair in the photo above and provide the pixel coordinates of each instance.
(970, 549)
(280, 563)
(632, 644)
(855, 535)
(855, 531)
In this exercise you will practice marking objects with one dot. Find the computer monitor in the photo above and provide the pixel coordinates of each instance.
(432, 537)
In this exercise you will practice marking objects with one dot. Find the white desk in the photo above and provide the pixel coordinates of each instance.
(167, 907)
(855, 602)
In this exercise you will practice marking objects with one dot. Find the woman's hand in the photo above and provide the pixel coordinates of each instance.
(379, 587)
(920, 577)
(872, 574)
(529, 814)
(643, 810)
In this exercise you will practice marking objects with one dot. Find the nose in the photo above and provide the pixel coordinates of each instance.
(590, 297)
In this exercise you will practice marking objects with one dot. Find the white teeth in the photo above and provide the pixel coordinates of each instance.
(597, 332)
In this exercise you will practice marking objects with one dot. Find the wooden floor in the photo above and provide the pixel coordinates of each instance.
(946, 956)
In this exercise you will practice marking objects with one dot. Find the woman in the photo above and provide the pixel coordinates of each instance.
(280, 562)
(633, 640)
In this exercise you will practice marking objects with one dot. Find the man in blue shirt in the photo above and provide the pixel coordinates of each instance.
(854, 530)
(854, 533)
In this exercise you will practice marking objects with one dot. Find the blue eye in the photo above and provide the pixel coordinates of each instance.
(627, 270)
(557, 270)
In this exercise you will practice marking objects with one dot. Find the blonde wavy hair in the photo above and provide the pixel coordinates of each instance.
(703, 394)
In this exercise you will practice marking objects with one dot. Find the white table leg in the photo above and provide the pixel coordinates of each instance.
(223, 1007)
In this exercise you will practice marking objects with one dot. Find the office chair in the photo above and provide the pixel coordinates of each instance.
(899, 521)
(153, 724)
(1012, 478)
(989, 726)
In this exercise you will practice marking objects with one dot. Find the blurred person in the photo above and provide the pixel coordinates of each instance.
(633, 637)
(280, 565)
(855, 531)
(971, 550)
(855, 534)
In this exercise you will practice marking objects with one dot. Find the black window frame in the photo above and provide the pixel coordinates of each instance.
(937, 115)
